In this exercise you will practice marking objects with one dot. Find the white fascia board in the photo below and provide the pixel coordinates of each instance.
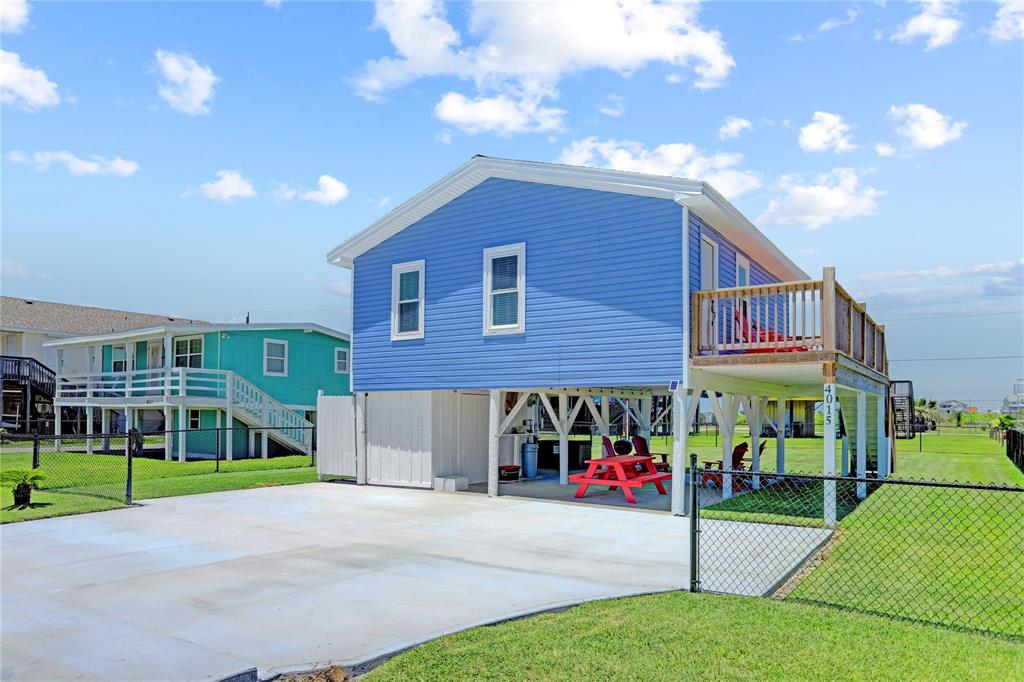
(698, 196)
(157, 332)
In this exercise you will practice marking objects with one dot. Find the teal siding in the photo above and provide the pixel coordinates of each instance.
(107, 360)
(310, 363)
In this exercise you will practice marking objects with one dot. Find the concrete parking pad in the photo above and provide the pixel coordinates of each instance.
(293, 577)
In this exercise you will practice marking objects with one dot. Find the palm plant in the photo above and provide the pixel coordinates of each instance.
(24, 480)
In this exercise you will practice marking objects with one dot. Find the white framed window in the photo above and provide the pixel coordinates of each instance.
(505, 289)
(195, 419)
(742, 270)
(407, 287)
(118, 358)
(341, 360)
(275, 358)
(188, 351)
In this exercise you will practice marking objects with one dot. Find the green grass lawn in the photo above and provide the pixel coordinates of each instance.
(78, 483)
(680, 636)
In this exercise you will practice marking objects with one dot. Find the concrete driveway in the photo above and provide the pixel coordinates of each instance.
(294, 577)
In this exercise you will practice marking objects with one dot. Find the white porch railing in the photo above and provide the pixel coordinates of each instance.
(248, 402)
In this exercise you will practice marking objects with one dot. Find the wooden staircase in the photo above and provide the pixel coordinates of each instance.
(25, 380)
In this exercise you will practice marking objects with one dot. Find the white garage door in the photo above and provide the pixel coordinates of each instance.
(398, 433)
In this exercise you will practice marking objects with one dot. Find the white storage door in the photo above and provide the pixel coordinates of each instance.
(473, 415)
(398, 433)
(335, 436)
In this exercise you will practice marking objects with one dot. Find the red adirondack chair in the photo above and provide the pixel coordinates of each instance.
(711, 476)
(751, 332)
(640, 448)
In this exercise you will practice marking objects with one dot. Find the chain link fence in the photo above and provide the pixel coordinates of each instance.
(944, 553)
(1014, 439)
(113, 465)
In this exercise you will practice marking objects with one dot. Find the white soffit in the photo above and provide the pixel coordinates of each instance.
(699, 197)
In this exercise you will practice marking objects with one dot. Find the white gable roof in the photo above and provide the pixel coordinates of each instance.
(702, 199)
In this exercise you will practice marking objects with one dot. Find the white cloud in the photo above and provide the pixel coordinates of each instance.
(612, 105)
(884, 149)
(94, 165)
(13, 15)
(501, 114)
(10, 269)
(924, 127)
(733, 126)
(971, 284)
(25, 87)
(330, 191)
(283, 192)
(444, 136)
(1000, 268)
(188, 86)
(230, 185)
(678, 159)
(826, 131)
(939, 22)
(836, 195)
(1009, 21)
(384, 201)
(522, 51)
(273, 4)
(829, 24)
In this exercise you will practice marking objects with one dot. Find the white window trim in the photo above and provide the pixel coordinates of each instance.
(744, 262)
(266, 344)
(114, 347)
(188, 340)
(347, 358)
(518, 250)
(396, 272)
(199, 419)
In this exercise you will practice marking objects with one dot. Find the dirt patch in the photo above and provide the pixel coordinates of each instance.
(333, 674)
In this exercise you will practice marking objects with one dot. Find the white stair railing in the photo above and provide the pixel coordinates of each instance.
(269, 413)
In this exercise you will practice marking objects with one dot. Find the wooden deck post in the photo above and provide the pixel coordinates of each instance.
(606, 416)
(862, 443)
(563, 439)
(828, 308)
(829, 437)
(780, 434)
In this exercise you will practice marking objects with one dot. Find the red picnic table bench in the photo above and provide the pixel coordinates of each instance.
(622, 471)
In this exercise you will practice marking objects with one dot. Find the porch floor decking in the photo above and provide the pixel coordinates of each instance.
(546, 487)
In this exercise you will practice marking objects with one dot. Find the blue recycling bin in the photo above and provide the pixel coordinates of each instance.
(529, 460)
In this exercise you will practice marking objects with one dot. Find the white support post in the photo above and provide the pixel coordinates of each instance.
(252, 442)
(644, 412)
(680, 430)
(606, 416)
(168, 435)
(88, 429)
(862, 443)
(882, 441)
(563, 439)
(229, 435)
(105, 427)
(182, 424)
(844, 462)
(726, 410)
(829, 438)
(780, 434)
(56, 423)
(265, 433)
(129, 422)
(217, 438)
(360, 403)
(493, 442)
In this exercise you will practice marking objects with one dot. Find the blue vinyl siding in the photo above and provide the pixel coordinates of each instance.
(603, 288)
(726, 258)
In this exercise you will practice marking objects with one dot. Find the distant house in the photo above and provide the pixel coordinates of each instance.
(953, 406)
(29, 365)
(1013, 404)
(261, 379)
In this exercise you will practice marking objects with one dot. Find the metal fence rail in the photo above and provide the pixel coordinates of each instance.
(113, 465)
(929, 551)
(1015, 447)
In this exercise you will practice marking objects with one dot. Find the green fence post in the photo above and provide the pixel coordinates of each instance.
(694, 526)
(35, 451)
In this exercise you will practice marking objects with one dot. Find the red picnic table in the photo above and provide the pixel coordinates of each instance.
(623, 471)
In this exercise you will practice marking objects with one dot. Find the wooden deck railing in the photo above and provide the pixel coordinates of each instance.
(788, 317)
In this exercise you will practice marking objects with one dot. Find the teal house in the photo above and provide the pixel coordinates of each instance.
(192, 381)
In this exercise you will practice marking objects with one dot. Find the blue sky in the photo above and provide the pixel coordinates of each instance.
(199, 159)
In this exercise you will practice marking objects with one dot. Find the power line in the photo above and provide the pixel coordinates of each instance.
(977, 357)
(953, 317)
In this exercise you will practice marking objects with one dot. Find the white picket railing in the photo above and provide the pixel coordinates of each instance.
(255, 405)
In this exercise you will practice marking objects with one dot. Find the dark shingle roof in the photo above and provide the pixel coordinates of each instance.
(63, 318)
